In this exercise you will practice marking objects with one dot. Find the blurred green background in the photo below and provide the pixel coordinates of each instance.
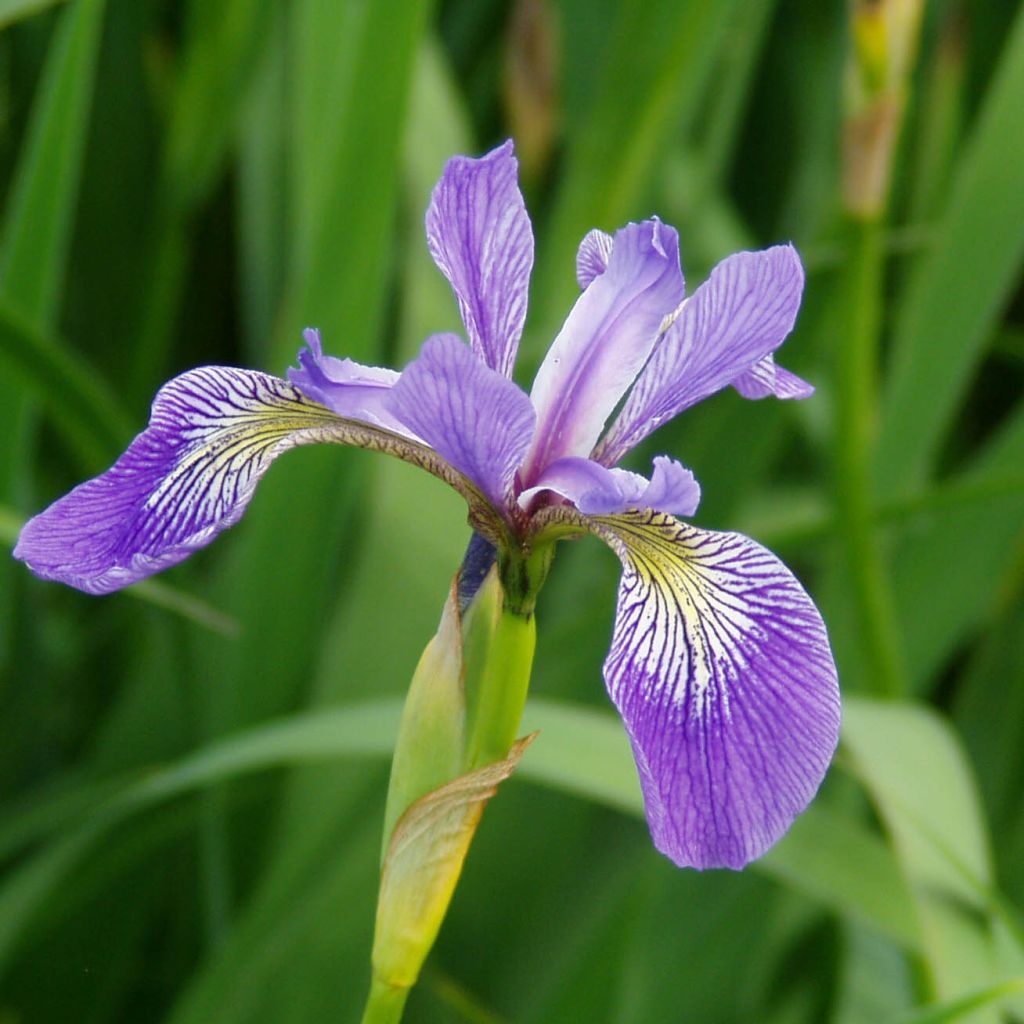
(192, 773)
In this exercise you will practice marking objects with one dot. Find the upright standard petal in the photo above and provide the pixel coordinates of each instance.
(212, 434)
(480, 236)
(345, 387)
(605, 341)
(721, 669)
(472, 416)
(741, 314)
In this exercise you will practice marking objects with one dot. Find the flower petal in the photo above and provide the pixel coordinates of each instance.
(721, 669)
(480, 237)
(766, 378)
(592, 256)
(591, 487)
(345, 387)
(212, 434)
(742, 313)
(605, 341)
(472, 416)
(596, 490)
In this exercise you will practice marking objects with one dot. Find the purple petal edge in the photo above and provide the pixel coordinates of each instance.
(721, 669)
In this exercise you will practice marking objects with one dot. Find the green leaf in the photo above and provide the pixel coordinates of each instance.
(14, 10)
(580, 751)
(39, 215)
(958, 289)
(216, 66)
(959, 1009)
(614, 147)
(77, 398)
(36, 236)
(915, 770)
(421, 869)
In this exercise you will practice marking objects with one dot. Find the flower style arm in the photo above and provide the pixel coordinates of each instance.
(213, 433)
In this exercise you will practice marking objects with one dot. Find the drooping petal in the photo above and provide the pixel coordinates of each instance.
(596, 490)
(212, 434)
(721, 669)
(742, 313)
(605, 341)
(472, 416)
(345, 387)
(480, 237)
(593, 255)
(766, 378)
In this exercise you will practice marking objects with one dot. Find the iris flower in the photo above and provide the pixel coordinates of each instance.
(719, 663)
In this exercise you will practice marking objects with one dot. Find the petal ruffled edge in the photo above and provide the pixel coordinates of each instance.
(592, 256)
(721, 669)
(346, 387)
(740, 315)
(479, 235)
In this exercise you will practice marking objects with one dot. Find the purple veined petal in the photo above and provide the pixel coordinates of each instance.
(345, 387)
(721, 669)
(597, 490)
(213, 433)
(592, 256)
(766, 378)
(480, 237)
(742, 313)
(605, 341)
(470, 415)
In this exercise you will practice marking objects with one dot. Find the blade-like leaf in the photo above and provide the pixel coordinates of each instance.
(958, 289)
(14, 10)
(915, 770)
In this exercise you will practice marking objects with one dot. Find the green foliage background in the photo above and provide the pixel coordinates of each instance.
(192, 774)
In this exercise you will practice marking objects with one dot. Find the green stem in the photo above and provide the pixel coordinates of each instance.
(385, 1003)
(502, 686)
(856, 393)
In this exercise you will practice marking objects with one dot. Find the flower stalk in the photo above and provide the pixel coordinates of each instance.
(884, 36)
(456, 744)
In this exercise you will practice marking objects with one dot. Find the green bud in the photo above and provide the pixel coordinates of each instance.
(431, 737)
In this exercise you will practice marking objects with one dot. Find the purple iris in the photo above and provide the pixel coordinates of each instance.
(719, 663)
